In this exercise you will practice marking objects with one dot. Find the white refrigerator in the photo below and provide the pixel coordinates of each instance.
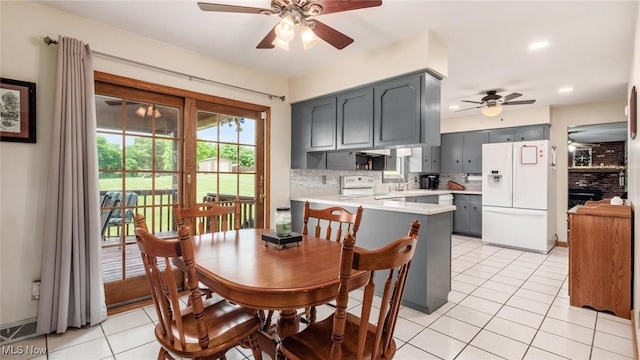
(518, 194)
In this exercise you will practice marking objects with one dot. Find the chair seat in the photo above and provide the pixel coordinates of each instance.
(315, 341)
(226, 324)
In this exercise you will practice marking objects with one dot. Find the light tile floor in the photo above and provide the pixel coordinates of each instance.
(504, 304)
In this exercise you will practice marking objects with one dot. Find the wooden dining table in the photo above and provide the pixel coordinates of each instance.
(242, 268)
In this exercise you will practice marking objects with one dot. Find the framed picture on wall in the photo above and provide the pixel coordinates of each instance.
(582, 157)
(633, 113)
(17, 111)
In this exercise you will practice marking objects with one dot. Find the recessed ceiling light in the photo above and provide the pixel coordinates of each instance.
(565, 89)
(454, 107)
(538, 45)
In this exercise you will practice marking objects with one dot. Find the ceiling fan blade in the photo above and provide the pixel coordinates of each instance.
(334, 6)
(473, 102)
(511, 96)
(232, 8)
(471, 108)
(331, 35)
(267, 42)
(519, 102)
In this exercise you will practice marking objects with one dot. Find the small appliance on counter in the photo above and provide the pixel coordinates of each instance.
(430, 181)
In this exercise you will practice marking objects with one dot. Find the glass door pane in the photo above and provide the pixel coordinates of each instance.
(138, 160)
(226, 157)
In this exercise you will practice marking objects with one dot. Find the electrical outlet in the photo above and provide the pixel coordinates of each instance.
(35, 290)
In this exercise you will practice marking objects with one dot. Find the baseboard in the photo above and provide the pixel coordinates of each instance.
(561, 243)
(18, 331)
(634, 332)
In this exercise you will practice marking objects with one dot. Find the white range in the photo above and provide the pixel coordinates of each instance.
(518, 194)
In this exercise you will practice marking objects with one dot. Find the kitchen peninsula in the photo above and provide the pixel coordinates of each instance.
(385, 220)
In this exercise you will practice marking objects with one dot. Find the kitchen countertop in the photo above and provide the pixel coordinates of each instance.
(382, 203)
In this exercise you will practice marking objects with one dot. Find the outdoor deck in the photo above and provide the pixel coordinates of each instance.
(112, 255)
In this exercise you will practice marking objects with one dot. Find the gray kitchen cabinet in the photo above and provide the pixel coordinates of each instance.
(355, 119)
(472, 151)
(313, 128)
(467, 219)
(462, 152)
(502, 135)
(425, 159)
(397, 112)
(341, 160)
(521, 133)
(429, 199)
(315, 160)
(533, 132)
(298, 143)
(451, 153)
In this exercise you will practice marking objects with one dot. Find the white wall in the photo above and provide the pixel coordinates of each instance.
(508, 118)
(633, 167)
(561, 119)
(423, 51)
(24, 167)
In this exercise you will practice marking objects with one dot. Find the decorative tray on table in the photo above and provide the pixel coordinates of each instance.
(280, 241)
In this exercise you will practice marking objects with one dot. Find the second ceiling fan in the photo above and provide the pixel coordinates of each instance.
(492, 103)
(299, 13)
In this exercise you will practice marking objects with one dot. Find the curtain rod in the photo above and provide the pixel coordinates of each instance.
(49, 41)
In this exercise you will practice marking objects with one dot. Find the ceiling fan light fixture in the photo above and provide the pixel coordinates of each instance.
(491, 111)
(285, 30)
(279, 43)
(309, 38)
(142, 111)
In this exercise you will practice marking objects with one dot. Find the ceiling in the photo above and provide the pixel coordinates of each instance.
(590, 42)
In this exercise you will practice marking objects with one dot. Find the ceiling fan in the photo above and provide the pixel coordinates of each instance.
(299, 13)
(492, 103)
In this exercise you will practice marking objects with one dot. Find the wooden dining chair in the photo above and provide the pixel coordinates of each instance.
(208, 217)
(205, 328)
(344, 335)
(336, 221)
(331, 218)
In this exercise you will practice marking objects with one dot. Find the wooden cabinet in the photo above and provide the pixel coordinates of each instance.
(425, 159)
(355, 119)
(600, 257)
(462, 152)
(467, 219)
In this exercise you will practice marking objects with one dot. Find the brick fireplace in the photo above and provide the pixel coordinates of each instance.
(602, 178)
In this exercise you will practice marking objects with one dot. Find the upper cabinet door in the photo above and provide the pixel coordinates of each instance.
(397, 112)
(501, 135)
(355, 119)
(451, 153)
(529, 133)
(320, 115)
(472, 151)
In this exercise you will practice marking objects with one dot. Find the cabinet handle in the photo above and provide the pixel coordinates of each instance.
(469, 161)
(457, 161)
(508, 139)
(465, 206)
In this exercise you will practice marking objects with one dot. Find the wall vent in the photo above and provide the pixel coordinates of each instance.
(18, 331)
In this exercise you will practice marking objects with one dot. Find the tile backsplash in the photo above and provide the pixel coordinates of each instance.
(307, 182)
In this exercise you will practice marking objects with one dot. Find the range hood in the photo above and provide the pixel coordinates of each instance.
(386, 152)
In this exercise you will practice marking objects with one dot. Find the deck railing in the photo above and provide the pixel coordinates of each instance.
(159, 213)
